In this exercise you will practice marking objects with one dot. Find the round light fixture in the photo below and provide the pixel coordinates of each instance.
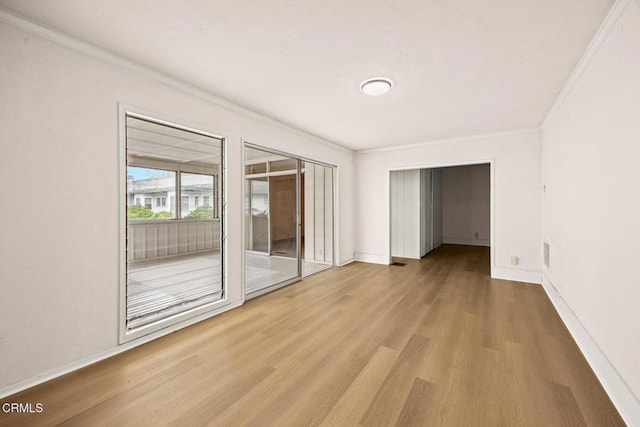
(376, 86)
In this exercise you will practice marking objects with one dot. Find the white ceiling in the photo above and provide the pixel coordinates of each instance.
(460, 67)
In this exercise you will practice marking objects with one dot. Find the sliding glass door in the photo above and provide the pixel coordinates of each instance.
(288, 219)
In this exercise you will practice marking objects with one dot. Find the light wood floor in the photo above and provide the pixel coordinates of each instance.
(436, 342)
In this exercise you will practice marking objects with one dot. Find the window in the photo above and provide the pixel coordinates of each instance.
(196, 185)
(174, 268)
(144, 182)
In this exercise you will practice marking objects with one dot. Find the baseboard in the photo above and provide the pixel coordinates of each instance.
(527, 276)
(347, 262)
(621, 396)
(466, 241)
(83, 363)
(372, 258)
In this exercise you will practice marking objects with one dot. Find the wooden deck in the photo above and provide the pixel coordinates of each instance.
(160, 288)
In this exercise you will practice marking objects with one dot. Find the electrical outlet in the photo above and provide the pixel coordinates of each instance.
(514, 260)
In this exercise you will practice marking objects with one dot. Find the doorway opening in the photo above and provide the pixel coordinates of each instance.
(432, 206)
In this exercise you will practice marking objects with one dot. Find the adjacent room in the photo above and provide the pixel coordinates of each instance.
(319, 213)
(432, 206)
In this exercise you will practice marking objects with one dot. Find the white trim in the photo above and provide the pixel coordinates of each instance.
(619, 392)
(347, 262)
(335, 233)
(371, 258)
(516, 275)
(466, 241)
(449, 140)
(82, 363)
(606, 26)
(89, 49)
(243, 226)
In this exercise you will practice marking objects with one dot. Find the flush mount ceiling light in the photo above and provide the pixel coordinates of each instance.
(376, 86)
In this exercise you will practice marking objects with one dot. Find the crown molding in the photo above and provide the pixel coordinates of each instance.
(449, 140)
(609, 21)
(107, 56)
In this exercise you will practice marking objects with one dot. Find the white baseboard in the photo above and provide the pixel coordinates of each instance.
(372, 258)
(527, 276)
(621, 396)
(466, 241)
(347, 262)
(90, 360)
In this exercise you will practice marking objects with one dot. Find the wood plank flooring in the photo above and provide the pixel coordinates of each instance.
(436, 342)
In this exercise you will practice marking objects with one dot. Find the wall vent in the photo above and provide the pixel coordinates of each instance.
(546, 254)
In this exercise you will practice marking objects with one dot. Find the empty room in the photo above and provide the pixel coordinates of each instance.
(330, 213)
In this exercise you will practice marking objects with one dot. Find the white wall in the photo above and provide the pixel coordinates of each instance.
(517, 195)
(59, 252)
(591, 155)
(466, 208)
(405, 213)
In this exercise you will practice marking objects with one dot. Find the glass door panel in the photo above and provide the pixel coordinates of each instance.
(272, 255)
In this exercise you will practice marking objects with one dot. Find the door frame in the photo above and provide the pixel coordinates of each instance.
(490, 162)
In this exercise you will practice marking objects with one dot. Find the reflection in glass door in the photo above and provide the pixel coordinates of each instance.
(317, 218)
(257, 236)
(272, 229)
